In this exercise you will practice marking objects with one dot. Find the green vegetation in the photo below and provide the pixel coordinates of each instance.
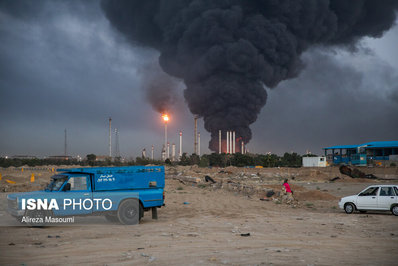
(207, 160)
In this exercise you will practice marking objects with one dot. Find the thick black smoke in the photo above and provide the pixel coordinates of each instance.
(160, 88)
(227, 51)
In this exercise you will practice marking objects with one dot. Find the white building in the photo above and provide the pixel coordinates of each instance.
(314, 161)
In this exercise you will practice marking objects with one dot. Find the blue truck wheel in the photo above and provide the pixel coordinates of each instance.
(129, 212)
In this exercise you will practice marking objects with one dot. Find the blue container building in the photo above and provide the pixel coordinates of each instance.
(361, 154)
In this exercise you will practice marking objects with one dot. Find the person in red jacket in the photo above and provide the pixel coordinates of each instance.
(287, 186)
(287, 191)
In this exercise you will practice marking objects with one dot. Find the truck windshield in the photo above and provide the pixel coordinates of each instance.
(56, 183)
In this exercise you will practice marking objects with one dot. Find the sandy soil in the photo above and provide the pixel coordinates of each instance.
(208, 230)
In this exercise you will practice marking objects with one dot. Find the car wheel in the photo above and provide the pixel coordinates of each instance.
(129, 212)
(394, 210)
(349, 208)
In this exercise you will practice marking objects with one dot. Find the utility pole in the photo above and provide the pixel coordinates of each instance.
(110, 137)
(65, 146)
(199, 143)
(117, 151)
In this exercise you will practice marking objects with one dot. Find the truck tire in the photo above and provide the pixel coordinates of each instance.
(111, 218)
(129, 212)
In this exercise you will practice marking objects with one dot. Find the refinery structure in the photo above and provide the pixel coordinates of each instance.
(227, 143)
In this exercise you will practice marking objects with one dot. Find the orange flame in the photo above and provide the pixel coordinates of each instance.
(165, 117)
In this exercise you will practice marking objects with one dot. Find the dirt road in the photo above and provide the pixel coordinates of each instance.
(208, 230)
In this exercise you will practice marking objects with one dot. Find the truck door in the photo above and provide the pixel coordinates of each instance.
(368, 198)
(386, 198)
(77, 198)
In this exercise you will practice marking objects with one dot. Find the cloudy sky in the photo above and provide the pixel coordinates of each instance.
(62, 66)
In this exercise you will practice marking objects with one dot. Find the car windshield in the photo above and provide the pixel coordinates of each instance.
(372, 191)
(56, 183)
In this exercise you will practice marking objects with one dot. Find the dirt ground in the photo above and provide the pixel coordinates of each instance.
(207, 228)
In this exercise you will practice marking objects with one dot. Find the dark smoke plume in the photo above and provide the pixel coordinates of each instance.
(160, 89)
(227, 51)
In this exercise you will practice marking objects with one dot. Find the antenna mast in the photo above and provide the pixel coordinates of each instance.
(117, 151)
(110, 137)
(65, 145)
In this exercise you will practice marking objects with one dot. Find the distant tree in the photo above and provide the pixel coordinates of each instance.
(117, 161)
(310, 155)
(216, 159)
(184, 159)
(167, 161)
(291, 160)
(241, 160)
(141, 161)
(91, 159)
(204, 162)
(269, 160)
(194, 159)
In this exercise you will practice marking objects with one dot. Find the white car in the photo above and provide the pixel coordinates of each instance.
(376, 197)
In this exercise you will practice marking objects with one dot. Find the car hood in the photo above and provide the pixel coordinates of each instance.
(349, 198)
(32, 194)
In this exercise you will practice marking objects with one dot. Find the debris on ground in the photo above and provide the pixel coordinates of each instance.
(209, 179)
(355, 172)
(270, 193)
(334, 179)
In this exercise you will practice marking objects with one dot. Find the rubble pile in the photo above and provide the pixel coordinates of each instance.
(263, 184)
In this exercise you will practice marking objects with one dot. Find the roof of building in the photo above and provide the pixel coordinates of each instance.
(368, 145)
(382, 144)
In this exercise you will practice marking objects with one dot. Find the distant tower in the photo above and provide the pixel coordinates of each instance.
(195, 142)
(65, 146)
(110, 137)
(219, 142)
(173, 152)
(198, 144)
(180, 152)
(117, 151)
(163, 153)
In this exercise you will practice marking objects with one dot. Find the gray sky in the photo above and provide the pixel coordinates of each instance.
(63, 66)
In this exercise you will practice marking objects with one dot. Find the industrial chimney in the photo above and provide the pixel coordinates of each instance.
(195, 143)
(180, 153)
(219, 142)
(199, 143)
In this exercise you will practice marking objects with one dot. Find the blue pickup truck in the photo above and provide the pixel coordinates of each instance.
(120, 194)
